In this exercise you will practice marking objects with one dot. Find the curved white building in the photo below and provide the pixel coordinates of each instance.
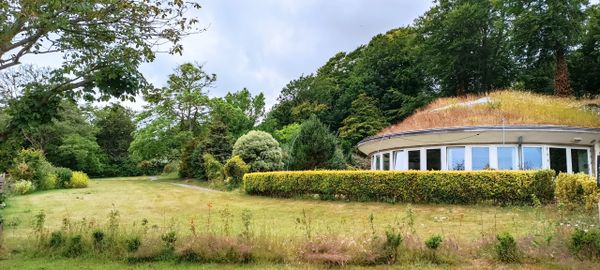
(482, 133)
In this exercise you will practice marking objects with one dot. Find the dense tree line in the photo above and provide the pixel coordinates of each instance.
(457, 47)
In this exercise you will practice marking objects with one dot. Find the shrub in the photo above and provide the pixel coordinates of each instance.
(586, 244)
(23, 187)
(63, 176)
(30, 165)
(79, 180)
(576, 190)
(501, 187)
(98, 237)
(56, 239)
(49, 181)
(315, 147)
(171, 167)
(133, 244)
(433, 242)
(506, 249)
(74, 247)
(214, 168)
(234, 169)
(260, 151)
(150, 167)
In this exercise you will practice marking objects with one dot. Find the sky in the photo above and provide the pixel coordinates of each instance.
(264, 44)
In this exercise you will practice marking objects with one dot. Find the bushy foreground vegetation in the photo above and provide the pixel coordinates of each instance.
(225, 237)
(501, 187)
(31, 171)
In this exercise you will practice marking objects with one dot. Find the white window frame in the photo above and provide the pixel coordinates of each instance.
(515, 160)
(489, 147)
(545, 152)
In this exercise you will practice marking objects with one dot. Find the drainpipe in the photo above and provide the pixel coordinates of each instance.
(520, 153)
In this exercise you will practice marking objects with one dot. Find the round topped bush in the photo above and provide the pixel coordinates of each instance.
(260, 151)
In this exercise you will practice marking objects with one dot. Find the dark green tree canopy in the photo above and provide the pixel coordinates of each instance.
(365, 119)
(315, 147)
(115, 132)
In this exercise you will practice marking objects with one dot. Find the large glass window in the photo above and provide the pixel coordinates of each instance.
(558, 159)
(399, 160)
(377, 162)
(480, 158)
(414, 160)
(386, 161)
(532, 158)
(580, 162)
(507, 155)
(456, 158)
(434, 159)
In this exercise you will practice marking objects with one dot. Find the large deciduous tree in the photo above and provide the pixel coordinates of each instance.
(102, 42)
(586, 59)
(543, 35)
(464, 45)
(184, 98)
(365, 119)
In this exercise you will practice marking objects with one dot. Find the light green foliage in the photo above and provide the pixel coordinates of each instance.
(234, 169)
(507, 250)
(23, 187)
(365, 119)
(259, 150)
(240, 110)
(79, 180)
(433, 242)
(214, 168)
(577, 190)
(287, 134)
(158, 140)
(586, 243)
(500, 187)
(315, 147)
(81, 153)
(49, 181)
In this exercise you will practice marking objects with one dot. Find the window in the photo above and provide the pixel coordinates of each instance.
(480, 158)
(507, 157)
(456, 158)
(377, 162)
(414, 160)
(399, 160)
(434, 159)
(558, 159)
(580, 162)
(386, 161)
(532, 158)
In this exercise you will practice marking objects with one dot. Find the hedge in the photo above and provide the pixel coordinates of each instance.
(455, 187)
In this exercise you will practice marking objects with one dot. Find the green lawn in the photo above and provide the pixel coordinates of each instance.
(165, 204)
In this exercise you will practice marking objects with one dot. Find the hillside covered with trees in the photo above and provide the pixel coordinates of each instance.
(458, 47)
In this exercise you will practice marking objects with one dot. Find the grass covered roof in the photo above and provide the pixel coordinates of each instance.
(507, 107)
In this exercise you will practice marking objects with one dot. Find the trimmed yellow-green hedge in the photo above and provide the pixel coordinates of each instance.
(502, 187)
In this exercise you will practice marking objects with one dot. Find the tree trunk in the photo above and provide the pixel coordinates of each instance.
(460, 90)
(562, 86)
